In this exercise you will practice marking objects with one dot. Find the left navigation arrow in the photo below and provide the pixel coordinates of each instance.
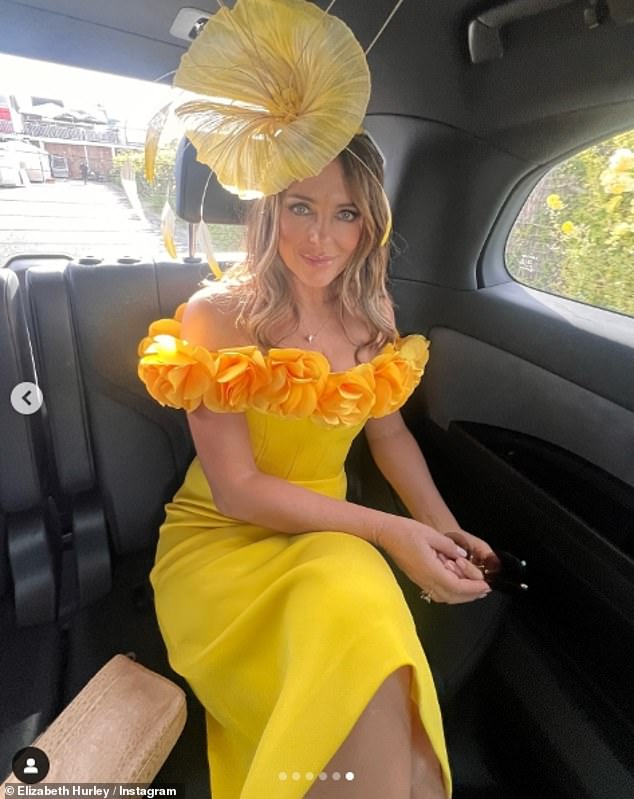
(26, 398)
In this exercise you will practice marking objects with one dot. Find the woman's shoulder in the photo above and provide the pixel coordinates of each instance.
(217, 295)
(210, 318)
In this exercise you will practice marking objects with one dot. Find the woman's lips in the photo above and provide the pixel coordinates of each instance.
(319, 260)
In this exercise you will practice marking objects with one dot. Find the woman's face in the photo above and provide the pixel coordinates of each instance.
(320, 227)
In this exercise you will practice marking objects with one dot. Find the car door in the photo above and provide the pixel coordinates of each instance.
(526, 417)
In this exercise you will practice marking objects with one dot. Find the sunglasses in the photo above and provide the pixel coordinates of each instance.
(502, 571)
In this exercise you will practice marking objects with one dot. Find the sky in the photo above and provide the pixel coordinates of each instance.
(126, 99)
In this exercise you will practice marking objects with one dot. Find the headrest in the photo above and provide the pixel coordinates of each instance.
(193, 180)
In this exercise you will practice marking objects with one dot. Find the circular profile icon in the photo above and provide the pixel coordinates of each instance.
(30, 765)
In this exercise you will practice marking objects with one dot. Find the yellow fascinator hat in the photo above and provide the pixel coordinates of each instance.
(286, 87)
(281, 88)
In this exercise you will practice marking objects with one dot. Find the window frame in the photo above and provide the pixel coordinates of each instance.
(492, 269)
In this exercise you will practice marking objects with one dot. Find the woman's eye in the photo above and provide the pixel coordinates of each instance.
(299, 209)
(348, 215)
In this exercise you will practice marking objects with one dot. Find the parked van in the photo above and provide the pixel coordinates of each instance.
(31, 159)
(9, 168)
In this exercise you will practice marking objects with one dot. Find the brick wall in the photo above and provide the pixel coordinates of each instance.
(99, 158)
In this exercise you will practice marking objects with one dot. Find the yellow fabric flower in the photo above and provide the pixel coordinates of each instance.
(568, 228)
(397, 372)
(554, 201)
(415, 350)
(296, 379)
(286, 87)
(175, 373)
(238, 375)
(348, 396)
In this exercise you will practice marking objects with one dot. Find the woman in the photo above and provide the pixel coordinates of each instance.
(272, 596)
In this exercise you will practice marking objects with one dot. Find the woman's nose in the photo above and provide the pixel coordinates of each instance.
(319, 229)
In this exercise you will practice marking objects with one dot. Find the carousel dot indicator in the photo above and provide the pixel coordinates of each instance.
(336, 775)
(349, 775)
(296, 775)
(323, 776)
(309, 775)
(282, 775)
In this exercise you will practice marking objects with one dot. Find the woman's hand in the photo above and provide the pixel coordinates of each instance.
(480, 554)
(478, 550)
(423, 553)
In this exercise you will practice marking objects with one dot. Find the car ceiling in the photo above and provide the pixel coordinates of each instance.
(557, 84)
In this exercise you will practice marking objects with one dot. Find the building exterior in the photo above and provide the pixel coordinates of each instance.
(70, 137)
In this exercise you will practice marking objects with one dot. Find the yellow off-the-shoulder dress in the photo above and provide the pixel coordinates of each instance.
(283, 638)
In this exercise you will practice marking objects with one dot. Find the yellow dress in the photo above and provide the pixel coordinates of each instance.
(283, 638)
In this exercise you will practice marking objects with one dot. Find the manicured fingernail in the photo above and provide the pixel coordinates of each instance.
(483, 595)
(462, 552)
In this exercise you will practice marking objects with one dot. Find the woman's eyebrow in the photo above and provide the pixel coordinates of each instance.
(303, 197)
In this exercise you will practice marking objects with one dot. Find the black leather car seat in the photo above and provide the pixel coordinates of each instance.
(119, 457)
(31, 650)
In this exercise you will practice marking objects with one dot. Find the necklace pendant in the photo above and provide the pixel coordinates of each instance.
(310, 338)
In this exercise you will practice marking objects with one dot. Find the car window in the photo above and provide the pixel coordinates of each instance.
(575, 234)
(72, 169)
(227, 240)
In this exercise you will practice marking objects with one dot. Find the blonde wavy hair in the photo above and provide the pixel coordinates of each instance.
(261, 284)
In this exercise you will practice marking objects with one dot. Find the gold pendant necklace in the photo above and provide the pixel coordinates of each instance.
(310, 337)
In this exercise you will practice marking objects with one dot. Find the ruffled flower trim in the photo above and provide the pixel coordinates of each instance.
(291, 382)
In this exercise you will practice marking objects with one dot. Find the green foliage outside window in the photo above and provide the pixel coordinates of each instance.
(575, 235)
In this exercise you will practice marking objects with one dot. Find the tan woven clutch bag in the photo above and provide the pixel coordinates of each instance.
(119, 728)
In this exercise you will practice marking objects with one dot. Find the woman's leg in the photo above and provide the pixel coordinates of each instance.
(427, 782)
(379, 751)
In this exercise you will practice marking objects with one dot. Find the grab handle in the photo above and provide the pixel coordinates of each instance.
(485, 42)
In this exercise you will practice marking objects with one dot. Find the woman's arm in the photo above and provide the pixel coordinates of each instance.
(403, 465)
(401, 462)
